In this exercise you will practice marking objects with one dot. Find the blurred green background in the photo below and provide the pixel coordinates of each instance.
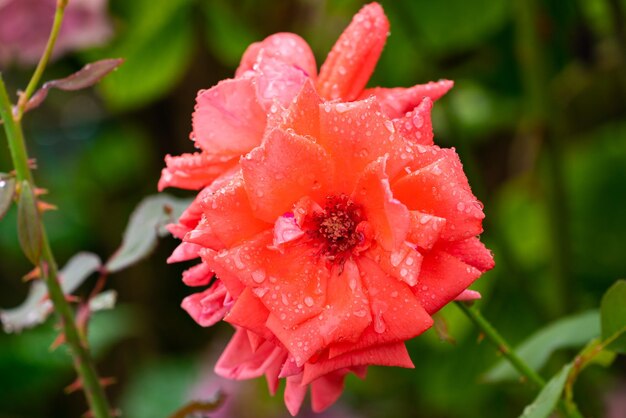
(538, 115)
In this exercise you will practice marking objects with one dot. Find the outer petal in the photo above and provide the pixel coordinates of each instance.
(277, 82)
(228, 120)
(198, 275)
(281, 171)
(294, 394)
(441, 189)
(394, 354)
(193, 171)
(239, 362)
(327, 389)
(397, 313)
(228, 217)
(344, 318)
(350, 63)
(207, 307)
(249, 312)
(388, 216)
(442, 279)
(288, 48)
(399, 100)
(416, 126)
(472, 252)
(292, 285)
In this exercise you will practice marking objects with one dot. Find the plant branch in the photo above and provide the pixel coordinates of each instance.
(568, 408)
(43, 61)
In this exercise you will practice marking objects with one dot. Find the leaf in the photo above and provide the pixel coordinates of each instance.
(200, 407)
(547, 399)
(7, 191)
(569, 332)
(146, 224)
(36, 308)
(455, 25)
(613, 316)
(157, 45)
(87, 76)
(226, 32)
(28, 224)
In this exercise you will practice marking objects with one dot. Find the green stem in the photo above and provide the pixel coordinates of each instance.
(494, 336)
(43, 61)
(541, 120)
(568, 409)
(83, 361)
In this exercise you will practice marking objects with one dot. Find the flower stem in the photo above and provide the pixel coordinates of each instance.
(494, 336)
(83, 361)
(43, 61)
(567, 408)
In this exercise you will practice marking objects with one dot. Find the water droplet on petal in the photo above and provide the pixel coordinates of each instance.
(258, 276)
(309, 301)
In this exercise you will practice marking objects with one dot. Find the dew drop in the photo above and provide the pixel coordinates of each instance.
(258, 276)
(379, 324)
(308, 301)
(361, 313)
(284, 299)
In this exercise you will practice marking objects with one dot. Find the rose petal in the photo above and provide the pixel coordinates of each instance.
(294, 394)
(228, 120)
(228, 217)
(403, 262)
(303, 115)
(442, 279)
(424, 229)
(288, 48)
(198, 275)
(397, 314)
(399, 100)
(416, 126)
(355, 134)
(344, 318)
(292, 285)
(327, 389)
(285, 168)
(193, 171)
(249, 312)
(473, 252)
(388, 217)
(350, 63)
(207, 307)
(394, 354)
(441, 189)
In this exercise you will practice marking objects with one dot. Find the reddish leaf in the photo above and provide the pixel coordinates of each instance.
(28, 224)
(87, 76)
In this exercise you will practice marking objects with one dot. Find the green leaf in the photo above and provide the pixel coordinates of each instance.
(227, 34)
(613, 311)
(157, 47)
(454, 25)
(28, 225)
(547, 399)
(37, 307)
(7, 191)
(146, 224)
(570, 332)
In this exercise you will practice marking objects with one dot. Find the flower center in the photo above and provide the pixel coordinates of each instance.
(336, 226)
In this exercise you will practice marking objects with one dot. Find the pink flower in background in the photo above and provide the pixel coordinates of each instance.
(340, 230)
(25, 26)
